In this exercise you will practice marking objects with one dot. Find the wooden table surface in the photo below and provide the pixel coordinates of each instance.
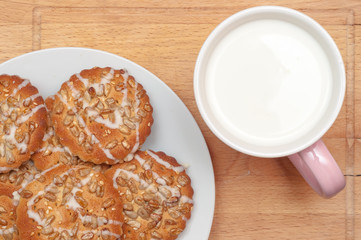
(255, 198)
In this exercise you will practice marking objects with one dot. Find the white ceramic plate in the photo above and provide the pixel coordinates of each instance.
(174, 131)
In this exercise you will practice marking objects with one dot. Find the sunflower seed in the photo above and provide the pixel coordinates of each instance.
(75, 131)
(132, 186)
(121, 182)
(100, 105)
(27, 102)
(74, 230)
(129, 124)
(142, 113)
(87, 236)
(100, 191)
(125, 144)
(156, 235)
(50, 196)
(64, 94)
(12, 102)
(68, 120)
(174, 213)
(53, 236)
(4, 82)
(131, 81)
(128, 195)
(19, 179)
(84, 172)
(183, 180)
(41, 213)
(131, 214)
(134, 224)
(26, 194)
(9, 157)
(49, 220)
(175, 231)
(2, 210)
(2, 149)
(119, 87)
(88, 147)
(147, 107)
(79, 198)
(143, 213)
(58, 181)
(81, 138)
(65, 235)
(108, 203)
(59, 108)
(13, 116)
(10, 145)
(8, 235)
(47, 230)
(169, 222)
(3, 222)
(124, 129)
(139, 200)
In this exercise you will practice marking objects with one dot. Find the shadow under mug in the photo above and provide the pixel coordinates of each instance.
(308, 153)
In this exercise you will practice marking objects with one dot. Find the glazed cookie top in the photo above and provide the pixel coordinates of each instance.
(157, 195)
(72, 203)
(22, 121)
(102, 115)
(51, 151)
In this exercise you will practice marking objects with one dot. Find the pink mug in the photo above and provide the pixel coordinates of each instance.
(306, 151)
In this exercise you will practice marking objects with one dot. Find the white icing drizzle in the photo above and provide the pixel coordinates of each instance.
(20, 86)
(52, 149)
(185, 199)
(75, 93)
(5, 169)
(49, 133)
(164, 163)
(7, 230)
(24, 118)
(32, 97)
(83, 80)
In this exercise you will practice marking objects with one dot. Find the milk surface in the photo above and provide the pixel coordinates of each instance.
(268, 82)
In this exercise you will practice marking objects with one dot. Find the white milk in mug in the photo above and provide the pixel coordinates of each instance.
(268, 82)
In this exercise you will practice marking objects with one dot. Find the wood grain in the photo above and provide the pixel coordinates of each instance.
(255, 198)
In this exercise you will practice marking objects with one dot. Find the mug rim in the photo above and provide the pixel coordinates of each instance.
(239, 16)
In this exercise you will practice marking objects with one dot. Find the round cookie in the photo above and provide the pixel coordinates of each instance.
(51, 151)
(22, 121)
(157, 195)
(8, 229)
(12, 183)
(102, 115)
(70, 203)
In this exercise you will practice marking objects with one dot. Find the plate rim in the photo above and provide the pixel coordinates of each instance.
(178, 99)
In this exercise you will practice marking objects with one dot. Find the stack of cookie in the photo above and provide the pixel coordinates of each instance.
(71, 167)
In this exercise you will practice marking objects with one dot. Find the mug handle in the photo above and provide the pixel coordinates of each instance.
(319, 169)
